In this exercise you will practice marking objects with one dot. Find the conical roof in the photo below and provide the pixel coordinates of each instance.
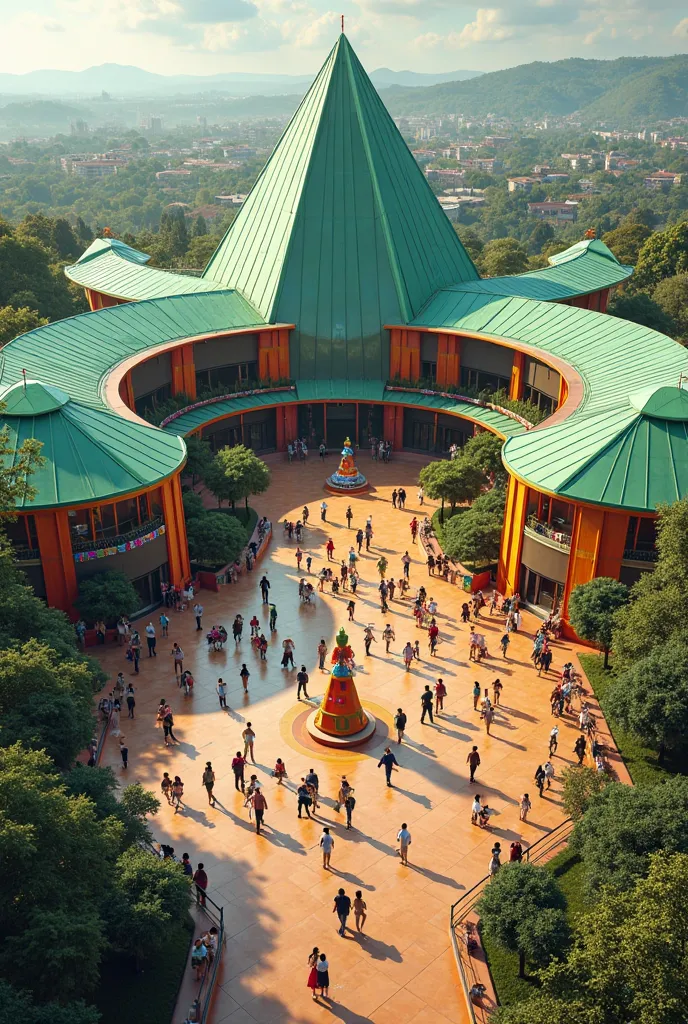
(32, 398)
(341, 233)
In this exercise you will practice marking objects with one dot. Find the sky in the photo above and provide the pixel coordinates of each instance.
(294, 36)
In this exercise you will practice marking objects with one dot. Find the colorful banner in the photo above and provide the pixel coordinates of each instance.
(86, 556)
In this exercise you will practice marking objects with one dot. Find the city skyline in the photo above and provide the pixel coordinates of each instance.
(290, 36)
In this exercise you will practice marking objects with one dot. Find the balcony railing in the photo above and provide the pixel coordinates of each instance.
(27, 555)
(84, 544)
(549, 532)
(634, 555)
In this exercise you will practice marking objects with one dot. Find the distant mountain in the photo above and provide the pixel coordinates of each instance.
(126, 80)
(626, 90)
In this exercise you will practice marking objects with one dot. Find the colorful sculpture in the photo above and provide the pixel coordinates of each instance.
(341, 720)
(347, 477)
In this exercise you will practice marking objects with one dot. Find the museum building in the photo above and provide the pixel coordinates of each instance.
(342, 302)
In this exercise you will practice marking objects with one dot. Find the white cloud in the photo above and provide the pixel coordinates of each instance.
(681, 30)
(487, 28)
(30, 21)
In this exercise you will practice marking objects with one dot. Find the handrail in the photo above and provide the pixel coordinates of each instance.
(205, 993)
(122, 538)
(534, 854)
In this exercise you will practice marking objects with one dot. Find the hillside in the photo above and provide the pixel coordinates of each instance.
(617, 90)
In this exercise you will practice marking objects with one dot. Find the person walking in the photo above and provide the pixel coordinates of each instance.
(327, 846)
(177, 793)
(426, 705)
(389, 761)
(323, 972)
(553, 741)
(167, 725)
(368, 639)
(349, 517)
(131, 700)
(150, 640)
(351, 608)
(359, 539)
(488, 717)
(198, 612)
(497, 691)
(406, 563)
(222, 692)
(244, 676)
(304, 799)
(313, 783)
(200, 879)
(402, 498)
(323, 511)
(394, 498)
(548, 769)
(388, 635)
(124, 752)
(237, 629)
(322, 651)
(249, 738)
(238, 765)
(329, 547)
(579, 749)
(400, 724)
(360, 908)
(440, 694)
(421, 495)
(342, 907)
(260, 806)
(264, 588)
(540, 778)
(166, 787)
(473, 762)
(209, 782)
(404, 840)
(408, 655)
(302, 683)
(178, 655)
(164, 625)
(476, 694)
(273, 617)
(524, 805)
(299, 556)
(349, 804)
(476, 809)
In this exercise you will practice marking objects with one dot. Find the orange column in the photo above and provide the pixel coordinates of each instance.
(394, 354)
(291, 422)
(57, 559)
(509, 566)
(398, 439)
(612, 545)
(183, 371)
(585, 550)
(280, 433)
(283, 366)
(410, 355)
(273, 354)
(175, 530)
(517, 371)
(126, 390)
(563, 391)
(448, 359)
(388, 419)
(604, 299)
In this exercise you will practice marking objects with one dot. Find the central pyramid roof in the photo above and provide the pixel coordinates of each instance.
(341, 232)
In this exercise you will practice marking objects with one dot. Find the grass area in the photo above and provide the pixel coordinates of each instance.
(567, 868)
(125, 995)
(640, 759)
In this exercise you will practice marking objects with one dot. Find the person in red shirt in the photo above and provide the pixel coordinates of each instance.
(238, 765)
(413, 526)
(433, 637)
(329, 547)
(260, 806)
(201, 882)
(440, 694)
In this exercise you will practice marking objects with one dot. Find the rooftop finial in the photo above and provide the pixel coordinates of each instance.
(342, 24)
(24, 377)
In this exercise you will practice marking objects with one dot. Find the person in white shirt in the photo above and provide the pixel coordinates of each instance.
(475, 810)
(150, 640)
(404, 840)
(323, 511)
(327, 845)
(198, 612)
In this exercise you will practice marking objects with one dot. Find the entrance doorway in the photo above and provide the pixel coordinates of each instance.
(539, 591)
(341, 423)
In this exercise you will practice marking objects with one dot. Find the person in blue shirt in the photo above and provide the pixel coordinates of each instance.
(389, 761)
(342, 907)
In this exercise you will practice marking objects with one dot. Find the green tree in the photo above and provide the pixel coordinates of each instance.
(650, 697)
(503, 257)
(592, 607)
(579, 785)
(664, 254)
(18, 1005)
(658, 606)
(522, 909)
(14, 322)
(471, 241)
(149, 893)
(193, 505)
(671, 295)
(198, 254)
(626, 241)
(101, 787)
(451, 480)
(199, 226)
(173, 233)
(107, 595)
(215, 538)
(623, 825)
(474, 536)
(484, 450)
(643, 310)
(45, 701)
(198, 458)
(237, 473)
(629, 962)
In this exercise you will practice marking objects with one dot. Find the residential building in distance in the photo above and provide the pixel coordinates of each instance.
(97, 168)
(661, 180)
(234, 200)
(523, 184)
(566, 212)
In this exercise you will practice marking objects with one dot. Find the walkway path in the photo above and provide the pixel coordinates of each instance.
(276, 895)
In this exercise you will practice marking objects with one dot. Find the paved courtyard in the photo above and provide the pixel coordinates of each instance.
(276, 895)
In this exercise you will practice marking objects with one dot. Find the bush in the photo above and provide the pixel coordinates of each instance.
(215, 539)
(592, 608)
(193, 505)
(580, 784)
(107, 595)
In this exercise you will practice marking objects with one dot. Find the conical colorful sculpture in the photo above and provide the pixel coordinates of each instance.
(347, 479)
(341, 720)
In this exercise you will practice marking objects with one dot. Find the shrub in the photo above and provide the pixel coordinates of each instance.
(107, 595)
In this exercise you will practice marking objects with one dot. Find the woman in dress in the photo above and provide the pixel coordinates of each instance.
(114, 720)
(312, 982)
(323, 980)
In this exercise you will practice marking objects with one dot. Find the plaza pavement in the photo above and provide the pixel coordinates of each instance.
(277, 898)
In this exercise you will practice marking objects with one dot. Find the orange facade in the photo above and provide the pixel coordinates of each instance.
(273, 354)
(404, 354)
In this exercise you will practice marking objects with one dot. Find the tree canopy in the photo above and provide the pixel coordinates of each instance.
(592, 607)
(215, 538)
(237, 473)
(671, 295)
(475, 534)
(664, 254)
(451, 480)
(107, 595)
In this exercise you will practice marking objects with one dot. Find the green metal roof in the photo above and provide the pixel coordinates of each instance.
(91, 455)
(573, 456)
(345, 391)
(114, 268)
(341, 233)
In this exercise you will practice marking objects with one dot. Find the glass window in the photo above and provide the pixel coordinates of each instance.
(142, 586)
(104, 519)
(155, 500)
(144, 514)
(533, 500)
(31, 531)
(80, 526)
(562, 514)
(428, 371)
(127, 515)
(647, 535)
(630, 533)
(17, 534)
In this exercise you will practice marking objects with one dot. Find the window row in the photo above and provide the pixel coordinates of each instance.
(101, 522)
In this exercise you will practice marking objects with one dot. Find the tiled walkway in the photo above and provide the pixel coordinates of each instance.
(276, 895)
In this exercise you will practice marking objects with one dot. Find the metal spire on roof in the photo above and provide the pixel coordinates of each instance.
(342, 24)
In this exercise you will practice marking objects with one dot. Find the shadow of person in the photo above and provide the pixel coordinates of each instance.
(435, 876)
(377, 949)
